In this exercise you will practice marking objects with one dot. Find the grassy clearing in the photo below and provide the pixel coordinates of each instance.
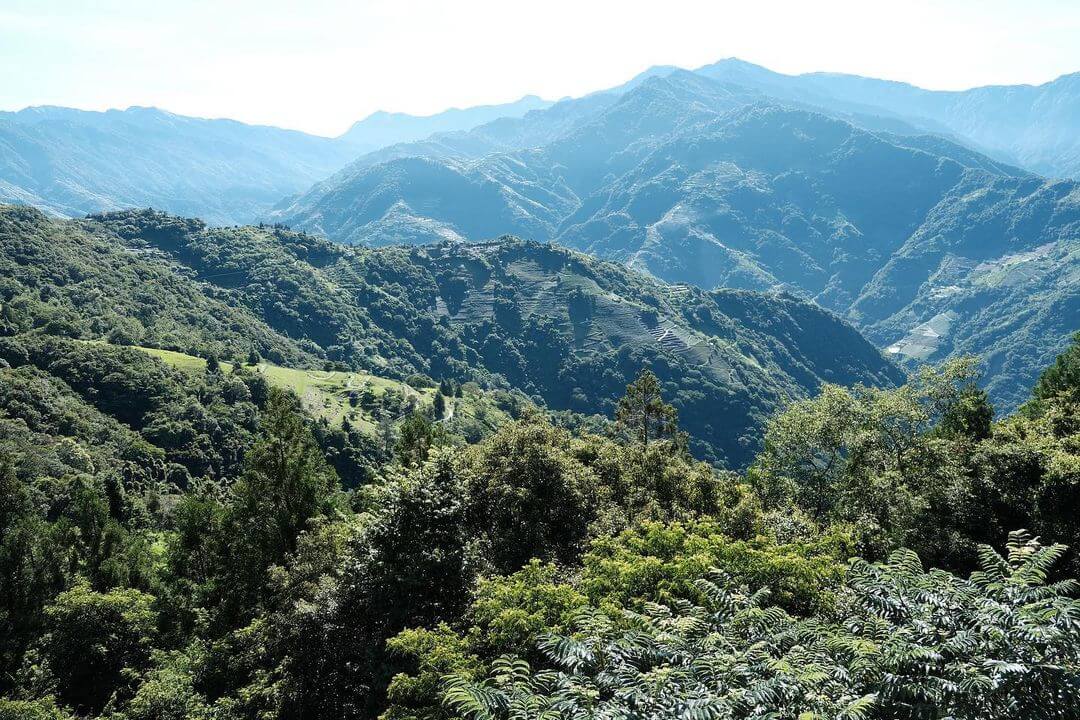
(180, 361)
(326, 394)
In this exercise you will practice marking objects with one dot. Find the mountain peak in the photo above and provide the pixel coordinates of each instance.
(734, 62)
(382, 128)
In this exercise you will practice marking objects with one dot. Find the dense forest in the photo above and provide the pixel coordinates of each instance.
(250, 474)
(717, 394)
(200, 546)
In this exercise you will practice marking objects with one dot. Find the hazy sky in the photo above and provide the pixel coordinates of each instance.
(320, 65)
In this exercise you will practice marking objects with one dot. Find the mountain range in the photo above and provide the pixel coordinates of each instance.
(931, 248)
(381, 129)
(1034, 126)
(922, 217)
(70, 162)
(73, 162)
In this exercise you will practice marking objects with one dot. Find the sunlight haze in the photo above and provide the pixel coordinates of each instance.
(319, 66)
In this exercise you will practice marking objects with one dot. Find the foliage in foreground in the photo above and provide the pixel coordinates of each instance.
(909, 644)
(227, 574)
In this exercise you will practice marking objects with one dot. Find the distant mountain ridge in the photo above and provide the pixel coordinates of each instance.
(381, 128)
(72, 162)
(707, 182)
(1035, 126)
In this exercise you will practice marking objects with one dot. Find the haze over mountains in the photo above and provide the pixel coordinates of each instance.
(1034, 126)
(922, 217)
(73, 162)
(381, 129)
(930, 247)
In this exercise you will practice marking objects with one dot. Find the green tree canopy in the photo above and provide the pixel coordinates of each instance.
(97, 644)
(911, 644)
(643, 412)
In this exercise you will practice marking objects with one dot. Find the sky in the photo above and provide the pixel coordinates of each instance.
(319, 66)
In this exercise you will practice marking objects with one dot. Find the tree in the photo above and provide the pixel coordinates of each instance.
(439, 405)
(1027, 471)
(530, 497)
(659, 562)
(417, 435)
(14, 496)
(286, 478)
(806, 451)
(286, 483)
(508, 614)
(971, 415)
(1061, 379)
(410, 566)
(891, 462)
(644, 413)
(33, 564)
(97, 644)
(385, 435)
(909, 645)
(168, 693)
(42, 709)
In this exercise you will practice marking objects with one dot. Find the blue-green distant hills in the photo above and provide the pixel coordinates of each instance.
(1034, 126)
(71, 162)
(382, 129)
(720, 184)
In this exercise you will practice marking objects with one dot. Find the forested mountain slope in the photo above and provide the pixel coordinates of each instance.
(554, 324)
(706, 183)
(517, 176)
(890, 232)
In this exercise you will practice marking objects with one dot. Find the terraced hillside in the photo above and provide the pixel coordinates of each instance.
(1012, 309)
(567, 330)
(570, 329)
